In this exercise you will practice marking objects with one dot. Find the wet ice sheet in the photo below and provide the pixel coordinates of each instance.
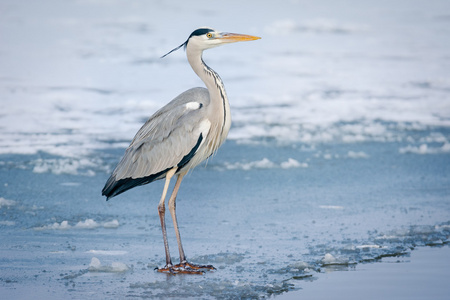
(338, 152)
(263, 239)
(421, 275)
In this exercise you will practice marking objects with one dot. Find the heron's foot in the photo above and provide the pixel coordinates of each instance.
(179, 269)
(190, 266)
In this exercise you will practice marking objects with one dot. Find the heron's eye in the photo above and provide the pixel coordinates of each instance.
(209, 35)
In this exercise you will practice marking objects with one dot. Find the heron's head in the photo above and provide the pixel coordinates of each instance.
(206, 38)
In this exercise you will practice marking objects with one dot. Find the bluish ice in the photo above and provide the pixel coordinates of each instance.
(339, 152)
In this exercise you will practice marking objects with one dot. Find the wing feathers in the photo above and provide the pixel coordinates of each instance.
(170, 138)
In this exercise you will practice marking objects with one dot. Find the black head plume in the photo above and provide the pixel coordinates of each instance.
(184, 44)
(197, 32)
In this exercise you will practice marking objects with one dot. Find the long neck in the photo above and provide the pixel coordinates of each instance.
(218, 97)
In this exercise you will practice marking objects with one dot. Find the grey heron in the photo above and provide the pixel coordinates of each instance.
(178, 137)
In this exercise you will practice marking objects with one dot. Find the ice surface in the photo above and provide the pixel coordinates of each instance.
(338, 152)
(419, 275)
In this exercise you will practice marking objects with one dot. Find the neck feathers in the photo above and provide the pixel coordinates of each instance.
(219, 105)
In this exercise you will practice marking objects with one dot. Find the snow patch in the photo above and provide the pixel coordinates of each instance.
(55, 226)
(425, 149)
(360, 154)
(299, 266)
(335, 207)
(265, 163)
(107, 252)
(86, 224)
(259, 164)
(111, 224)
(60, 166)
(6, 202)
(70, 183)
(369, 246)
(115, 267)
(292, 163)
(329, 260)
(7, 223)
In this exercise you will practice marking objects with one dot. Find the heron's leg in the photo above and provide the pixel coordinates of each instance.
(169, 268)
(161, 212)
(173, 213)
(172, 208)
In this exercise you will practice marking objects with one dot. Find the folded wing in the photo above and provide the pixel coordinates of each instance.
(169, 139)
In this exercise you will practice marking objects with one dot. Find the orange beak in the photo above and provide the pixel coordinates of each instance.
(236, 37)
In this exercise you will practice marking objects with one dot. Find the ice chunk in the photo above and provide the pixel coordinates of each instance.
(70, 183)
(292, 163)
(118, 267)
(107, 252)
(95, 263)
(87, 224)
(360, 154)
(336, 207)
(329, 259)
(55, 226)
(259, 164)
(111, 224)
(265, 163)
(368, 246)
(6, 202)
(115, 267)
(425, 149)
(327, 156)
(60, 166)
(298, 266)
(7, 223)
(442, 227)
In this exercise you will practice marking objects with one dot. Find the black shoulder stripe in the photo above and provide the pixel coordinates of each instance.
(191, 154)
(115, 187)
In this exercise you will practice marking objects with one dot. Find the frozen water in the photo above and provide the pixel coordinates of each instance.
(338, 153)
(422, 274)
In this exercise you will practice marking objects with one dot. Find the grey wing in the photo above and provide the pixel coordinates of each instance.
(167, 140)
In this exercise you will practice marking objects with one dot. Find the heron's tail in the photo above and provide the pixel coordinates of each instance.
(114, 187)
(111, 188)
